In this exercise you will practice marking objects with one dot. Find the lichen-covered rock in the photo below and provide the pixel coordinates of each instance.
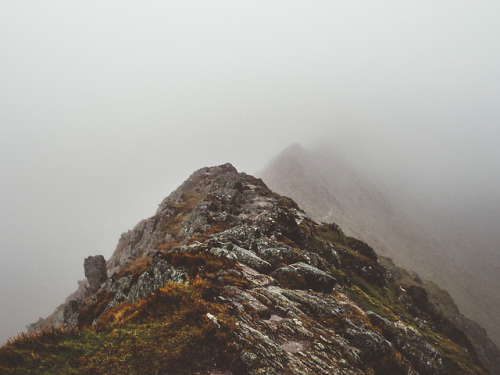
(282, 255)
(156, 277)
(120, 289)
(95, 271)
(197, 219)
(412, 344)
(67, 314)
(304, 276)
(250, 259)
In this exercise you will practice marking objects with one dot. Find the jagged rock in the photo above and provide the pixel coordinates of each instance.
(415, 277)
(156, 277)
(369, 268)
(304, 276)
(67, 314)
(120, 289)
(333, 255)
(197, 219)
(282, 255)
(362, 248)
(135, 243)
(95, 271)
(246, 302)
(411, 343)
(256, 279)
(223, 252)
(209, 174)
(273, 297)
(250, 259)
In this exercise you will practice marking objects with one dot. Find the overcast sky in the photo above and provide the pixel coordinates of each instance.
(107, 106)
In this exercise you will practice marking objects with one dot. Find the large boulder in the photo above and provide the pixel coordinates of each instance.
(95, 271)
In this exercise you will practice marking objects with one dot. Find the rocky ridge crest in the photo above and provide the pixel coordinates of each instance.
(302, 297)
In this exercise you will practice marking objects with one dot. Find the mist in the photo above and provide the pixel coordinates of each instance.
(106, 107)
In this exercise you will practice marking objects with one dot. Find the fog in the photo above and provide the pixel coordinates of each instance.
(106, 107)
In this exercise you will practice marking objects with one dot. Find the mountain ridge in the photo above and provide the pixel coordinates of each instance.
(241, 276)
(370, 216)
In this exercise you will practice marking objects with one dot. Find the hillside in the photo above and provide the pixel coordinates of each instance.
(342, 195)
(229, 277)
(330, 190)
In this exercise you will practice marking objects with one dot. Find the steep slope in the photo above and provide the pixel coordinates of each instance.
(230, 278)
(470, 237)
(330, 190)
(341, 195)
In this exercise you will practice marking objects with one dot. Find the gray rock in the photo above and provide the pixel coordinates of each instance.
(120, 288)
(243, 300)
(279, 255)
(95, 271)
(197, 219)
(135, 243)
(304, 276)
(250, 259)
(158, 276)
(257, 279)
(67, 314)
(223, 253)
(409, 342)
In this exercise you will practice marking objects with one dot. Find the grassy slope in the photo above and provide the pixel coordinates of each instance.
(168, 333)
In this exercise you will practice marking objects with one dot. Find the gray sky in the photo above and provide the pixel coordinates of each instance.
(107, 106)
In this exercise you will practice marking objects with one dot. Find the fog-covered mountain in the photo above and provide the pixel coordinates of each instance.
(439, 245)
(229, 277)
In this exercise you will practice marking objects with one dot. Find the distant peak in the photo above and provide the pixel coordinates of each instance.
(294, 148)
(292, 155)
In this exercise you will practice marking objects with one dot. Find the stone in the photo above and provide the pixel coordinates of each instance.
(248, 303)
(213, 319)
(250, 259)
(304, 276)
(95, 271)
(362, 248)
(155, 278)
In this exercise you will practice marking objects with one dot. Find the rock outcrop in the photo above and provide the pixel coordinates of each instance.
(304, 276)
(95, 271)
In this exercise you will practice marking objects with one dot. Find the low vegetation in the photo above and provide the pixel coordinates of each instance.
(168, 333)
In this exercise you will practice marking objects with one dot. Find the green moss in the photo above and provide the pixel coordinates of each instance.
(367, 302)
(330, 233)
(457, 360)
